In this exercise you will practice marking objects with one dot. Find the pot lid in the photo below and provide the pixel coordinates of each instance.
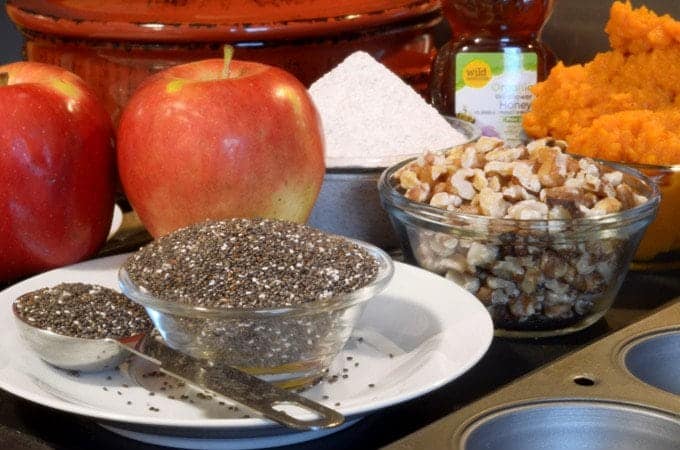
(211, 20)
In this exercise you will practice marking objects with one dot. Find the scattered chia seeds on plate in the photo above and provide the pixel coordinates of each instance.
(250, 264)
(83, 310)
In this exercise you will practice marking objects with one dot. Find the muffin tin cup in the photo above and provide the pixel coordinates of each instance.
(655, 359)
(603, 396)
(572, 424)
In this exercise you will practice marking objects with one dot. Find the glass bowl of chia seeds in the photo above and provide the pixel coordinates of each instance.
(273, 298)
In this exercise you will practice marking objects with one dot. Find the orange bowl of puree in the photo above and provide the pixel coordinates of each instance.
(624, 106)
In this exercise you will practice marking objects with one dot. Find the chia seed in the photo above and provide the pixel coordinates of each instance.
(250, 264)
(83, 311)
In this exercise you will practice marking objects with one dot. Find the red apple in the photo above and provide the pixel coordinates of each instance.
(58, 169)
(216, 139)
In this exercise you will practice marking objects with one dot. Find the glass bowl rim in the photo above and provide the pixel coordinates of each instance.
(340, 301)
(640, 166)
(392, 198)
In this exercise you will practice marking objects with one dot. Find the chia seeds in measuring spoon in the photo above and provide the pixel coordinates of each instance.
(254, 265)
(83, 311)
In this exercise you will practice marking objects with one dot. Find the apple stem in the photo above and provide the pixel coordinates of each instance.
(4, 78)
(228, 54)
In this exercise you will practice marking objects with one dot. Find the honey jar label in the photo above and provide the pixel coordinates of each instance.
(493, 89)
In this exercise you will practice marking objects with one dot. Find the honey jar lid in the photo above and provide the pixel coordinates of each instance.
(210, 20)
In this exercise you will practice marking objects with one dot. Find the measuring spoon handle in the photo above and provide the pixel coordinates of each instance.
(246, 389)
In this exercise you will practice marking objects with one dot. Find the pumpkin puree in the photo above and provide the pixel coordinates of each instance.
(624, 106)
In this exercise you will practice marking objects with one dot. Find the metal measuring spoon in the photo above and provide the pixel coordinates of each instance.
(91, 355)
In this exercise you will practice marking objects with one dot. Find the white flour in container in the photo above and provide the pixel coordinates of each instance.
(371, 118)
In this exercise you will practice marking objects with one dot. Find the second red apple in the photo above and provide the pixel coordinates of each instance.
(216, 139)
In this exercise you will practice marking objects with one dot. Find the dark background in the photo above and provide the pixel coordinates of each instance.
(575, 30)
(10, 39)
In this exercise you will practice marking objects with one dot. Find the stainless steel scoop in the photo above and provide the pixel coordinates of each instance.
(91, 355)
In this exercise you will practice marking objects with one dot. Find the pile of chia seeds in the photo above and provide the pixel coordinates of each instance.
(84, 311)
(250, 264)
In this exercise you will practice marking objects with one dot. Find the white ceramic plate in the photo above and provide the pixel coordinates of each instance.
(420, 333)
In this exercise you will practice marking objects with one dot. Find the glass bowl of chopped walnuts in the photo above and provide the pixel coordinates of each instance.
(542, 238)
(274, 298)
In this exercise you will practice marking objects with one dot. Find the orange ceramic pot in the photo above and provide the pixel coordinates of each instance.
(114, 45)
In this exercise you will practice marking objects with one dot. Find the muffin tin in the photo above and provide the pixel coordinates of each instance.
(620, 392)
